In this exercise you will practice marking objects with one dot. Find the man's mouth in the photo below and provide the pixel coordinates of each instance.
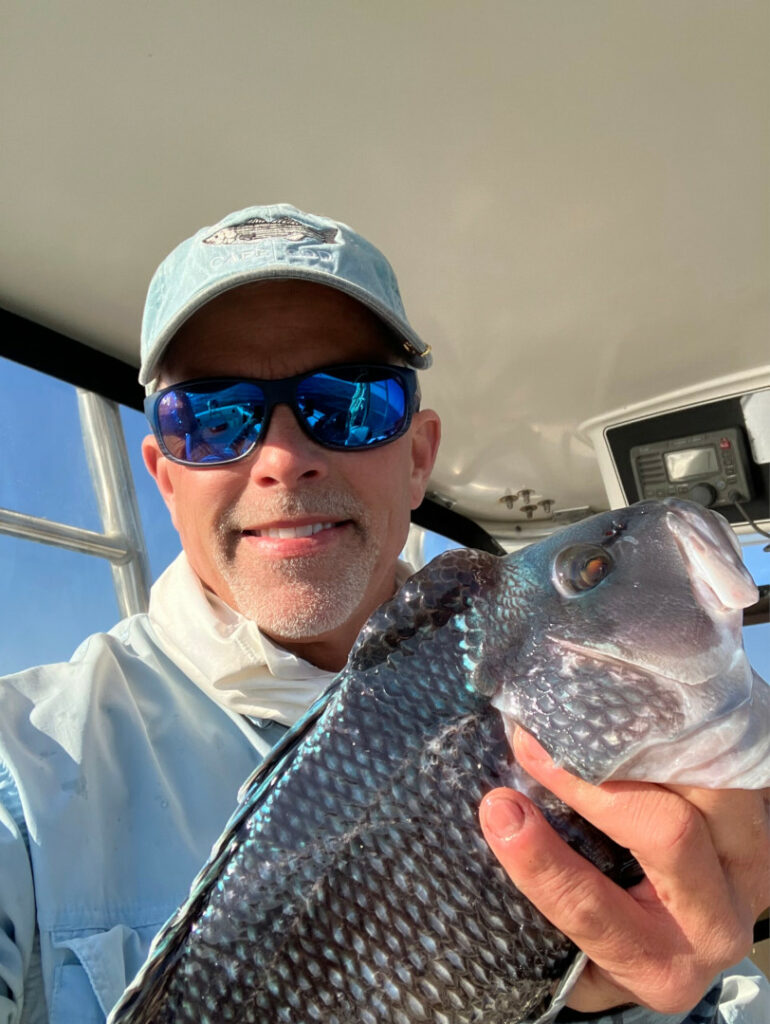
(286, 532)
(292, 532)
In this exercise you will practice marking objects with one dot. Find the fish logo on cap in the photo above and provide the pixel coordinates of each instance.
(256, 228)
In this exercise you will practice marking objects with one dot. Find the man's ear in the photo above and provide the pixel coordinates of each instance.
(425, 434)
(158, 468)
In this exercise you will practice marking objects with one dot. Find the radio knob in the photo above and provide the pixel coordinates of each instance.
(704, 494)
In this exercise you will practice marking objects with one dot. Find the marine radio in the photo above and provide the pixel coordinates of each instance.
(710, 468)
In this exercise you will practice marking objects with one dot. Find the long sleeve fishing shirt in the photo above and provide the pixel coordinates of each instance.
(118, 771)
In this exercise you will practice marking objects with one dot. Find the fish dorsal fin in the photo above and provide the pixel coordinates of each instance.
(445, 587)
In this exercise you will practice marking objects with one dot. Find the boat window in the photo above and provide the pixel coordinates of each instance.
(43, 470)
(51, 598)
(424, 545)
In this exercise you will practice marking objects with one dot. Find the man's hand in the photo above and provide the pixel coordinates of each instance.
(706, 859)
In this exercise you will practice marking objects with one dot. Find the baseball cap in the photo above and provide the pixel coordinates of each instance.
(264, 243)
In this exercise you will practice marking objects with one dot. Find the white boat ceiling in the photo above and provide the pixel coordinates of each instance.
(574, 194)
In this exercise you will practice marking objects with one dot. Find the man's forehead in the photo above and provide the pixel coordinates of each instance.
(259, 299)
(277, 328)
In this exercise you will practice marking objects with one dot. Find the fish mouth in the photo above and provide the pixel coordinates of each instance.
(712, 556)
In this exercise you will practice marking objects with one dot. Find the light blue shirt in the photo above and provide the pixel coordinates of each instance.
(117, 774)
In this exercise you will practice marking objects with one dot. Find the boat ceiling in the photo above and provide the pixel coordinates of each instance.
(574, 195)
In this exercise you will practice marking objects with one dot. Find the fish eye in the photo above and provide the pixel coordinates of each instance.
(580, 568)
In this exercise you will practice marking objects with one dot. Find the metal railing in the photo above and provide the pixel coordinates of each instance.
(122, 542)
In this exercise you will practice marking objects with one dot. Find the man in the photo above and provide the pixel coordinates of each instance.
(289, 448)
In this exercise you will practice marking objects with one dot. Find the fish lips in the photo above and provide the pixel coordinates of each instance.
(722, 583)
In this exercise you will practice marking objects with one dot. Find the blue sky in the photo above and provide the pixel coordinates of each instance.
(51, 599)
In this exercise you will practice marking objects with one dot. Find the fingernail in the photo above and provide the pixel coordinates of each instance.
(504, 816)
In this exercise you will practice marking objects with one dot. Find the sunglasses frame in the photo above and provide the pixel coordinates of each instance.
(282, 391)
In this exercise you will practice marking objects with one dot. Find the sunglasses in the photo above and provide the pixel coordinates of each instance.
(346, 408)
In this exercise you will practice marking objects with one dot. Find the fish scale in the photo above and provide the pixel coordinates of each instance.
(350, 900)
(352, 885)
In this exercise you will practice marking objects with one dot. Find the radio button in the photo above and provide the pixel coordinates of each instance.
(704, 494)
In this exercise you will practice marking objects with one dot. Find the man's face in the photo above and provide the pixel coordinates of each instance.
(246, 527)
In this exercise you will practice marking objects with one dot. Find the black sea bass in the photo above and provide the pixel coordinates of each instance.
(353, 886)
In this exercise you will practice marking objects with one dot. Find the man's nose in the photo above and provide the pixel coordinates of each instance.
(286, 455)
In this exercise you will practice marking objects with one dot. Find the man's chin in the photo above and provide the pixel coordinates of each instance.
(304, 598)
(311, 613)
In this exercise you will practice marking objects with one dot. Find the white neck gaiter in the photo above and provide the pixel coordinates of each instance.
(226, 655)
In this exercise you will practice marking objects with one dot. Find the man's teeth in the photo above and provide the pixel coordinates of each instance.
(287, 532)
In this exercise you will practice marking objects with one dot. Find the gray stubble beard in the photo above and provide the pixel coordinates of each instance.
(318, 605)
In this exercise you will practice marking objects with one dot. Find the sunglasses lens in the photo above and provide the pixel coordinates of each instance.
(353, 408)
(210, 426)
(206, 422)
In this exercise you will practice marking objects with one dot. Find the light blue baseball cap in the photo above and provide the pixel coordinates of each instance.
(270, 243)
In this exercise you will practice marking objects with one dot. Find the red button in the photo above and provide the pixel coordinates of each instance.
(724, 442)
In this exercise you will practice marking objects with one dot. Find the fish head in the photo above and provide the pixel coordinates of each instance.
(633, 644)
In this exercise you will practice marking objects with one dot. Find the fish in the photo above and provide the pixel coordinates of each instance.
(256, 229)
(352, 884)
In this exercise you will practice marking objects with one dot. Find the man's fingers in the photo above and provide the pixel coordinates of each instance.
(678, 835)
(672, 842)
(640, 947)
(569, 891)
(661, 942)
(738, 823)
(664, 832)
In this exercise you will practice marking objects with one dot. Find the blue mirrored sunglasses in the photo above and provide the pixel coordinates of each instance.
(350, 407)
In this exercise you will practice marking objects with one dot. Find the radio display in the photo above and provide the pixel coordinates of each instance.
(691, 462)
